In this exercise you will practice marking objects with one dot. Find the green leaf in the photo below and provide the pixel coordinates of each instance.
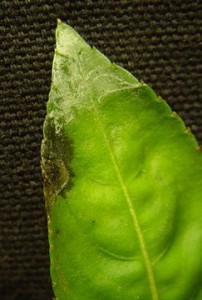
(122, 182)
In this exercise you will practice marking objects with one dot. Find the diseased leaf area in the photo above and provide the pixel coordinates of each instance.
(124, 191)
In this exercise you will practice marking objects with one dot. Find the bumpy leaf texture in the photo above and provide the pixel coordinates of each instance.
(123, 184)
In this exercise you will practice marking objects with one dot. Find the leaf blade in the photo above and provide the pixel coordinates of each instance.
(122, 136)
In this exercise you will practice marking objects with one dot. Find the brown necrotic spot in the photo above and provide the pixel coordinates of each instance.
(56, 156)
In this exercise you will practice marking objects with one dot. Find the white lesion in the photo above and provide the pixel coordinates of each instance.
(91, 78)
(102, 79)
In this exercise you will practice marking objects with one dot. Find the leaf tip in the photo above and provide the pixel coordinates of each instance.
(59, 21)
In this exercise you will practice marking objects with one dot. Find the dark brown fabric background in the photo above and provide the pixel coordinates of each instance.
(158, 41)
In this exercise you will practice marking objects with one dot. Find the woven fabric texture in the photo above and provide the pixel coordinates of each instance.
(158, 41)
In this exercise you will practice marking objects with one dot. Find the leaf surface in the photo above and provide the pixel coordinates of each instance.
(122, 182)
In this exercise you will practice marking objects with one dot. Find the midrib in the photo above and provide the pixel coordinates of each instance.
(147, 262)
(143, 248)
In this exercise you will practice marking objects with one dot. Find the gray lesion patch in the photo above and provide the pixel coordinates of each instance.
(56, 154)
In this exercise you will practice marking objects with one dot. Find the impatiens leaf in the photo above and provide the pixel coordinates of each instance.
(122, 182)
